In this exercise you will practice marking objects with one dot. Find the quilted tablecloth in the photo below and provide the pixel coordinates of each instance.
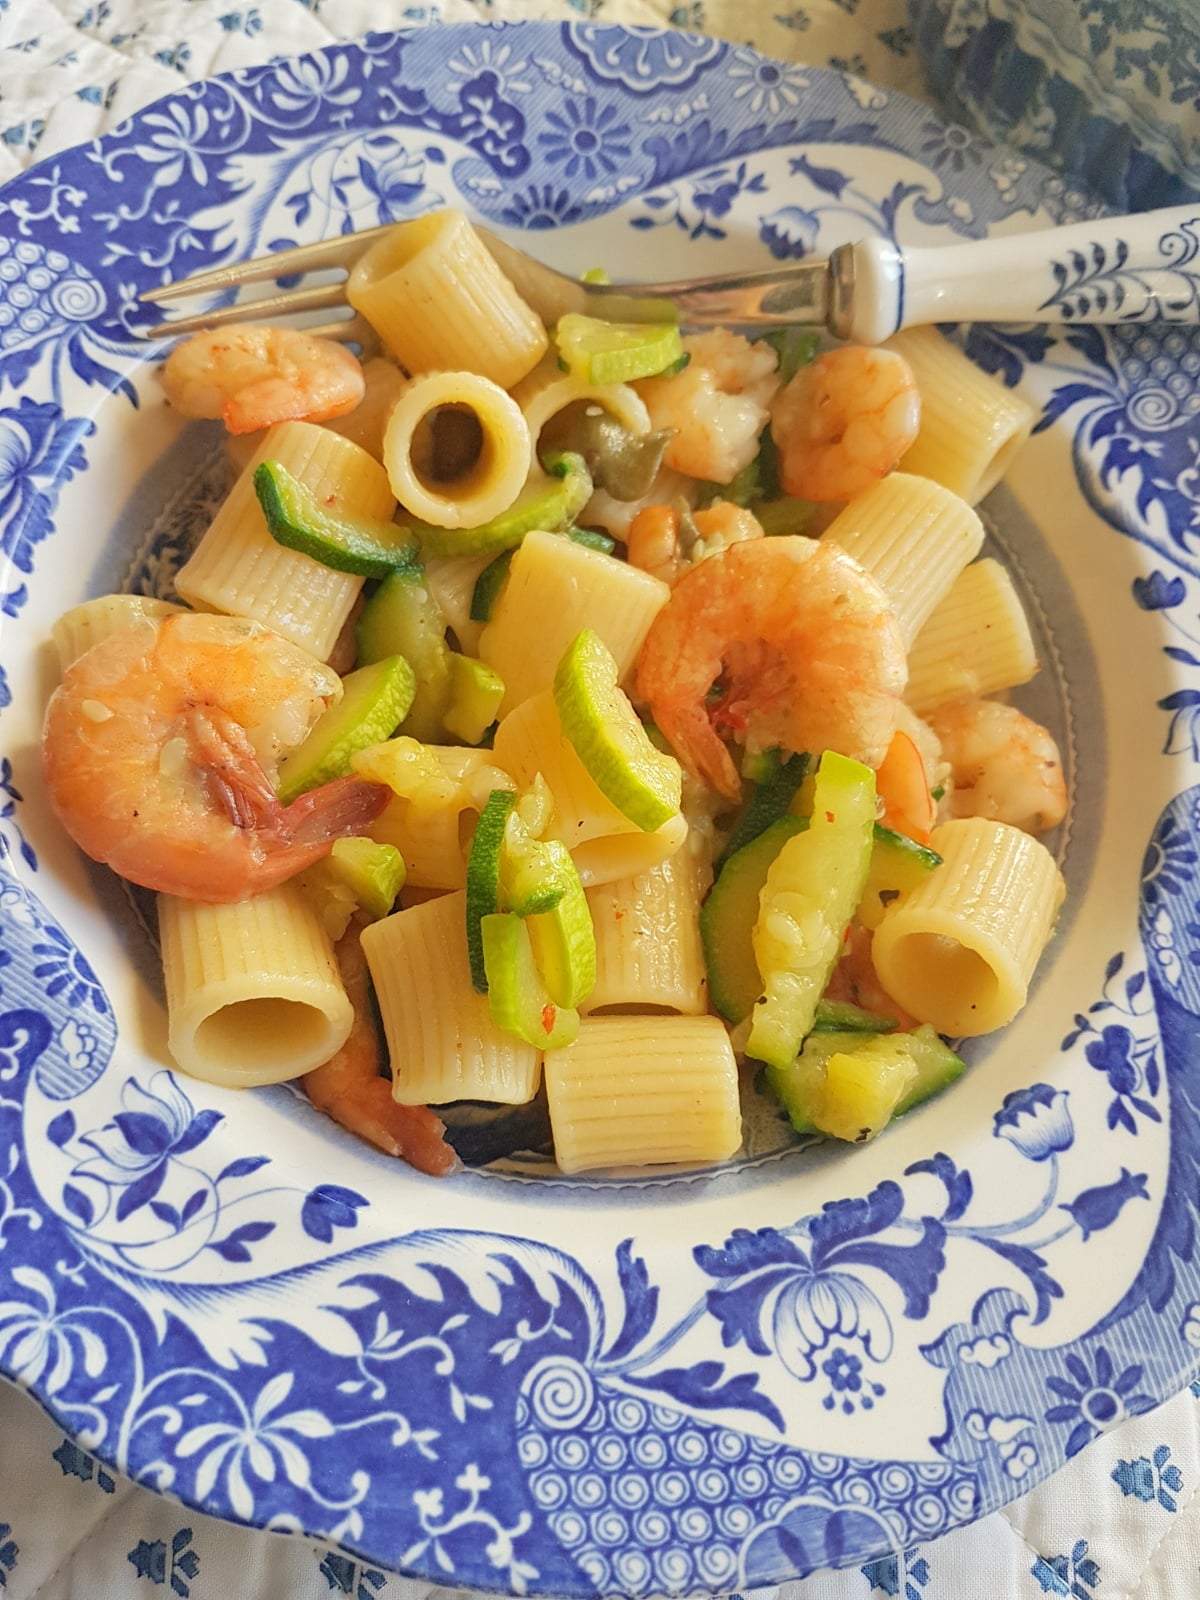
(1122, 1520)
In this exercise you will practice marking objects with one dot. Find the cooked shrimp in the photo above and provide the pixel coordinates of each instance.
(903, 789)
(717, 406)
(616, 516)
(1004, 765)
(800, 640)
(844, 421)
(159, 746)
(348, 1087)
(658, 544)
(255, 376)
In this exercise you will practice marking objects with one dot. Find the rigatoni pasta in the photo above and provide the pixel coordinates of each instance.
(238, 568)
(976, 641)
(253, 991)
(648, 951)
(480, 473)
(441, 1038)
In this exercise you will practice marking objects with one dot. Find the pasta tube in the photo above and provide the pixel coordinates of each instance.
(604, 843)
(975, 642)
(238, 568)
(958, 951)
(441, 1038)
(914, 538)
(253, 991)
(548, 392)
(437, 299)
(77, 630)
(648, 951)
(636, 1090)
(555, 589)
(365, 425)
(440, 792)
(971, 424)
(481, 474)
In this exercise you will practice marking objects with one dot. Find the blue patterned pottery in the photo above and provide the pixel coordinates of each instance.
(1107, 91)
(665, 1383)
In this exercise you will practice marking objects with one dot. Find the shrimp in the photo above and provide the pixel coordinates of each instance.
(717, 406)
(657, 541)
(844, 421)
(855, 979)
(802, 642)
(255, 376)
(159, 746)
(903, 789)
(1004, 765)
(349, 1088)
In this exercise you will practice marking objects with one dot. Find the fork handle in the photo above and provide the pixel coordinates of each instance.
(1139, 268)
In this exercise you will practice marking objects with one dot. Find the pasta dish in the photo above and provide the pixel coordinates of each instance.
(587, 711)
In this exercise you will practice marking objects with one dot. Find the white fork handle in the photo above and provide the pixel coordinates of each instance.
(1139, 268)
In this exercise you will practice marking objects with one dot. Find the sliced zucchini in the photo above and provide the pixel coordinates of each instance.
(338, 539)
(475, 695)
(898, 864)
(374, 873)
(548, 503)
(851, 1085)
(404, 618)
(375, 700)
(615, 352)
(728, 917)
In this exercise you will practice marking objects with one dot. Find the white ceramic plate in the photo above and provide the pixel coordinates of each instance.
(679, 1383)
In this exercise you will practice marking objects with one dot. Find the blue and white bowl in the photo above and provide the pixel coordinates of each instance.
(1107, 91)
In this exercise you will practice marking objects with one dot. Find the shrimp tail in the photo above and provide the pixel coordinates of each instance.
(335, 810)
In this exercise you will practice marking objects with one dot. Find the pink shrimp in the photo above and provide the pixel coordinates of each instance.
(159, 746)
(844, 421)
(348, 1087)
(255, 376)
(1004, 765)
(802, 643)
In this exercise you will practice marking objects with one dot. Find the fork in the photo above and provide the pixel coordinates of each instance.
(1137, 268)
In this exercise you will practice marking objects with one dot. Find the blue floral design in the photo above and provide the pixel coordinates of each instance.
(1151, 1479)
(889, 1572)
(1158, 592)
(950, 147)
(1074, 1577)
(790, 233)
(1036, 1120)
(76, 1463)
(1095, 1401)
(40, 450)
(541, 206)
(150, 1559)
(586, 139)
(66, 971)
(9, 1551)
(1098, 1208)
(133, 1152)
(396, 182)
(345, 1576)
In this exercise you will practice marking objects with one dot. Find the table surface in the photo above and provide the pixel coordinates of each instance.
(1123, 1520)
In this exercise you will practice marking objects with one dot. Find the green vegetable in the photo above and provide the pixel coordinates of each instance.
(785, 516)
(564, 946)
(403, 618)
(374, 702)
(728, 916)
(777, 784)
(483, 877)
(615, 352)
(843, 1016)
(898, 864)
(475, 695)
(644, 784)
(548, 503)
(851, 1085)
(338, 539)
(811, 893)
(795, 347)
(374, 873)
(517, 996)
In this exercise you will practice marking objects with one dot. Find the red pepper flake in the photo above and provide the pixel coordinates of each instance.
(830, 816)
(331, 499)
(548, 1015)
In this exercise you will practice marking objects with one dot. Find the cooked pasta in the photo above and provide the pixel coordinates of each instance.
(648, 952)
(914, 538)
(959, 950)
(632, 1091)
(438, 300)
(432, 822)
(84, 625)
(480, 473)
(365, 425)
(605, 844)
(976, 641)
(238, 568)
(971, 424)
(441, 1038)
(253, 992)
(556, 587)
(547, 393)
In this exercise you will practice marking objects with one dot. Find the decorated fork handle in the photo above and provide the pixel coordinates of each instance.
(1139, 268)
